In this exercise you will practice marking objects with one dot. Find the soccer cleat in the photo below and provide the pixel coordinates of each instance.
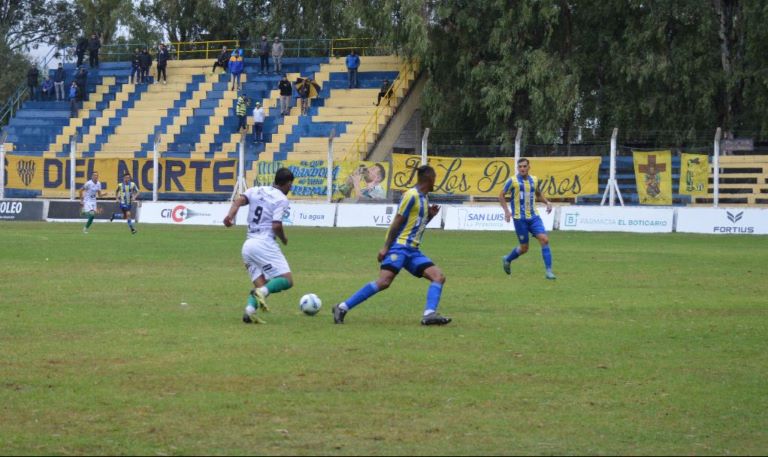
(261, 299)
(112, 217)
(253, 319)
(338, 314)
(435, 319)
(133, 231)
(550, 275)
(506, 265)
(85, 230)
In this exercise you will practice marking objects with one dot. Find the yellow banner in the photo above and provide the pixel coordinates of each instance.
(653, 175)
(560, 177)
(361, 181)
(50, 176)
(694, 174)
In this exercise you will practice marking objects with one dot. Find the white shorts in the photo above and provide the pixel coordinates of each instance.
(89, 206)
(262, 256)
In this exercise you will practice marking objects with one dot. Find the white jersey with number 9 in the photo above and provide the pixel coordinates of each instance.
(266, 204)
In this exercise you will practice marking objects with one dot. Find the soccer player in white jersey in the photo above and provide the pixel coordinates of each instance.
(90, 191)
(126, 193)
(262, 256)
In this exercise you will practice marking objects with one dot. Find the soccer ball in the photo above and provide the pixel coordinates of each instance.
(310, 304)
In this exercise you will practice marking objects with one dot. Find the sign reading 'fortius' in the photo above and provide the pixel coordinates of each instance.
(562, 177)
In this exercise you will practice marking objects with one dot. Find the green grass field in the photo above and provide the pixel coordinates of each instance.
(645, 344)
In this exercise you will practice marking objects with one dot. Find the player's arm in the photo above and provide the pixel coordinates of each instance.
(277, 229)
(394, 229)
(503, 202)
(432, 212)
(540, 197)
(229, 219)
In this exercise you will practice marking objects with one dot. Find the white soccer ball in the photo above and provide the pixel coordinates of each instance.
(310, 304)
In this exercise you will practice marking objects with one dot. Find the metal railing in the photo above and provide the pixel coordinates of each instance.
(19, 95)
(363, 46)
(372, 127)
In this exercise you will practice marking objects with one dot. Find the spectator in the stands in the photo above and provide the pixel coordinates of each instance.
(136, 67)
(58, 83)
(94, 44)
(241, 109)
(82, 81)
(82, 46)
(258, 123)
(236, 65)
(47, 89)
(145, 63)
(73, 97)
(286, 91)
(277, 55)
(163, 56)
(353, 64)
(33, 79)
(222, 60)
(385, 91)
(263, 50)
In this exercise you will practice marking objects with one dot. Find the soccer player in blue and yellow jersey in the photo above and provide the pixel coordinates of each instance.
(126, 193)
(522, 203)
(401, 250)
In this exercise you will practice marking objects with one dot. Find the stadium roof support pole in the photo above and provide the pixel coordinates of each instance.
(2, 165)
(240, 186)
(518, 144)
(716, 167)
(72, 162)
(612, 188)
(329, 167)
(424, 146)
(155, 171)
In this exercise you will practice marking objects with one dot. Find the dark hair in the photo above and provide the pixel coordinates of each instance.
(382, 172)
(423, 171)
(126, 174)
(523, 159)
(283, 176)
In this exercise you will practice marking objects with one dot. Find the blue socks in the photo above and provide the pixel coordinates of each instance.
(362, 295)
(546, 253)
(130, 223)
(513, 255)
(433, 297)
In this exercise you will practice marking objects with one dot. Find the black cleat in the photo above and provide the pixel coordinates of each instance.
(435, 319)
(338, 314)
(252, 319)
(133, 231)
(112, 217)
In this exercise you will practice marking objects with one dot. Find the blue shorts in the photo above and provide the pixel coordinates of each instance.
(399, 257)
(125, 207)
(524, 226)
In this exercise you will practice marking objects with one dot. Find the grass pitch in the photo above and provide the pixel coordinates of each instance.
(645, 344)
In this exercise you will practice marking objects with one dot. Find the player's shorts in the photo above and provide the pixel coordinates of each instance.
(262, 256)
(399, 257)
(533, 225)
(126, 207)
(89, 206)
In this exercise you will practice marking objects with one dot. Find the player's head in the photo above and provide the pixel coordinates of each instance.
(523, 166)
(284, 180)
(95, 176)
(376, 173)
(126, 177)
(426, 176)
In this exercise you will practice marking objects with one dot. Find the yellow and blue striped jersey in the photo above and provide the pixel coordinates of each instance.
(414, 208)
(522, 198)
(125, 192)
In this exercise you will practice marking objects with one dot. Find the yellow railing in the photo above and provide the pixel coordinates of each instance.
(360, 145)
(363, 46)
(201, 49)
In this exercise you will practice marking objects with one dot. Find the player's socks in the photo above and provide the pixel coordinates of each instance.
(513, 255)
(546, 253)
(433, 297)
(90, 221)
(130, 224)
(278, 284)
(362, 295)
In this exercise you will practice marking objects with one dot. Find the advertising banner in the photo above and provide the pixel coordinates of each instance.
(359, 181)
(653, 175)
(66, 210)
(723, 221)
(490, 218)
(301, 215)
(560, 177)
(51, 175)
(694, 174)
(616, 219)
(182, 213)
(373, 216)
(21, 210)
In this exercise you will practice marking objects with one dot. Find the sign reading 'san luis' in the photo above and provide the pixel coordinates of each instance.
(561, 177)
